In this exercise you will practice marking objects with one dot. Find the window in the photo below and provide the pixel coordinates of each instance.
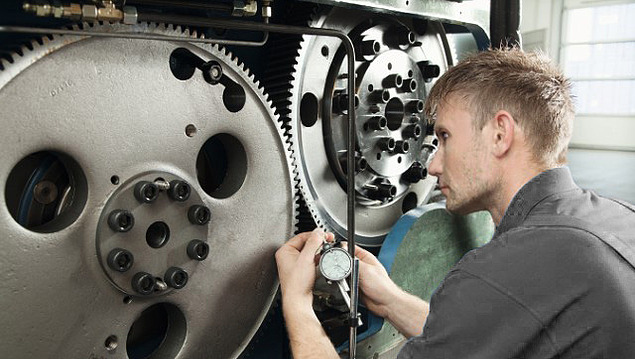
(598, 53)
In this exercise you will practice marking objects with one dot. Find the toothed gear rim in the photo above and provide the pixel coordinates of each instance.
(114, 113)
(319, 148)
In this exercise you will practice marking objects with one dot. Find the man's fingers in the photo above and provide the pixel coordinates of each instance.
(312, 244)
(299, 240)
(365, 256)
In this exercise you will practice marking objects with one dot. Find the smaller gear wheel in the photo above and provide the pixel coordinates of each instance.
(397, 62)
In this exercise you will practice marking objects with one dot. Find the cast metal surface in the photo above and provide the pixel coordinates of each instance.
(114, 114)
(473, 14)
(390, 87)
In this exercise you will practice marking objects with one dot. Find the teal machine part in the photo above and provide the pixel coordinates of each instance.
(418, 252)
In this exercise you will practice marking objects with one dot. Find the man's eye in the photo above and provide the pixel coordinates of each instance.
(443, 136)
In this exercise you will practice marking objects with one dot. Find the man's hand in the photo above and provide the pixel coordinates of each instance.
(378, 291)
(296, 261)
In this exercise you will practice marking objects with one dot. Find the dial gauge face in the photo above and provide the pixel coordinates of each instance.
(335, 264)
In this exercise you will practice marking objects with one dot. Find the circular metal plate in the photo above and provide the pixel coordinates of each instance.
(117, 110)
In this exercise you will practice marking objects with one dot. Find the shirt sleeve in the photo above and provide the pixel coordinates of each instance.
(473, 318)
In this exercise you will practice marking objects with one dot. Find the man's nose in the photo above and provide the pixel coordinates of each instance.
(436, 166)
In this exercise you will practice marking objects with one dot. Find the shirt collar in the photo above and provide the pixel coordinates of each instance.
(545, 184)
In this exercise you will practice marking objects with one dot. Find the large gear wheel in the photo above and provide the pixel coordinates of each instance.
(146, 187)
(397, 62)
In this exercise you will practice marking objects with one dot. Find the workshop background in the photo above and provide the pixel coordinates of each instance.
(594, 42)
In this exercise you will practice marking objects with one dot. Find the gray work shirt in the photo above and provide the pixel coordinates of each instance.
(557, 280)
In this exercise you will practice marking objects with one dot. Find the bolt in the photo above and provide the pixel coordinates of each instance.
(386, 143)
(374, 108)
(179, 190)
(369, 48)
(410, 85)
(198, 214)
(45, 192)
(146, 192)
(212, 72)
(143, 283)
(402, 36)
(381, 191)
(120, 220)
(175, 277)
(340, 102)
(380, 96)
(197, 250)
(429, 71)
(120, 260)
(413, 131)
(360, 162)
(159, 285)
(162, 184)
(394, 80)
(377, 123)
(415, 173)
(402, 147)
(415, 106)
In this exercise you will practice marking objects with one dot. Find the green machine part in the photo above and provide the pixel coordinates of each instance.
(434, 241)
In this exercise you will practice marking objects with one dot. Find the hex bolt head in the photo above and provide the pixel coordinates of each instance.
(197, 250)
(402, 147)
(369, 48)
(382, 191)
(409, 85)
(179, 190)
(413, 131)
(120, 260)
(340, 102)
(146, 192)
(386, 143)
(377, 123)
(394, 80)
(120, 220)
(212, 72)
(415, 173)
(143, 283)
(429, 71)
(198, 214)
(415, 106)
(175, 277)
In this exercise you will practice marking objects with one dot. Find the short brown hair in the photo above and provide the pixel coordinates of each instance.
(527, 85)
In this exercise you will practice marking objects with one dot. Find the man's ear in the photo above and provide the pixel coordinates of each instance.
(503, 132)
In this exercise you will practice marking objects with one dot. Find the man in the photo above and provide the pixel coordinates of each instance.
(556, 280)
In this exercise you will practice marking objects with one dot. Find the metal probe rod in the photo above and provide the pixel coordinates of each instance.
(265, 27)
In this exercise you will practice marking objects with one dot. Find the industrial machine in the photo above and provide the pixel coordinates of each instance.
(156, 153)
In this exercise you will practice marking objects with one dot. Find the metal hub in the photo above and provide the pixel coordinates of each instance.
(396, 65)
(150, 225)
(134, 219)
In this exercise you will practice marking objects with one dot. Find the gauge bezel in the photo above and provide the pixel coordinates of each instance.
(329, 252)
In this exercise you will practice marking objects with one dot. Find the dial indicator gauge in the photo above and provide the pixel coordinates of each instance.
(335, 264)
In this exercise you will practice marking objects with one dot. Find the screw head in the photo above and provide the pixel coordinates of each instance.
(179, 190)
(120, 260)
(175, 277)
(198, 214)
(120, 220)
(197, 250)
(143, 283)
(146, 192)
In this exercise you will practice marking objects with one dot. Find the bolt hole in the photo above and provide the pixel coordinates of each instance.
(309, 109)
(371, 87)
(234, 97)
(399, 159)
(127, 299)
(378, 156)
(159, 332)
(190, 130)
(221, 165)
(389, 66)
(409, 202)
(114, 180)
(46, 191)
(158, 234)
(410, 73)
(435, 142)
(394, 113)
(182, 63)
(325, 51)
(111, 343)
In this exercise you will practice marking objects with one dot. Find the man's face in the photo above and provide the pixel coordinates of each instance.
(460, 162)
